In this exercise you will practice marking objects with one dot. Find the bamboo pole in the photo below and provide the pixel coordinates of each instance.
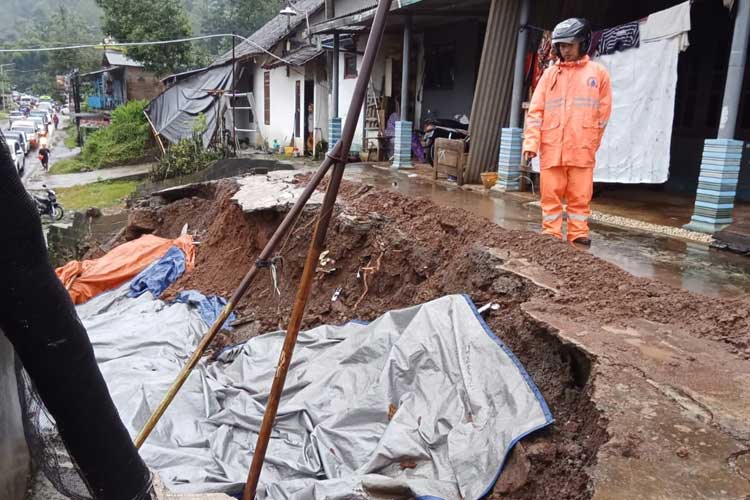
(313, 254)
(156, 134)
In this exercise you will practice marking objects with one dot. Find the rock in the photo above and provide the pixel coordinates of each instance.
(141, 221)
(93, 213)
(515, 474)
(542, 451)
(682, 452)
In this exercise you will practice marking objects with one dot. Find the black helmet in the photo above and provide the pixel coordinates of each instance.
(572, 30)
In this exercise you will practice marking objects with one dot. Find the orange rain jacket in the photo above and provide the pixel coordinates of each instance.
(568, 113)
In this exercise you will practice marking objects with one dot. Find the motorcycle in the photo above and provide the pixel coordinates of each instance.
(49, 205)
(438, 127)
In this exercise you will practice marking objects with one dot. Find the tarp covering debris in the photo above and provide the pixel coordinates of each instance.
(425, 401)
(157, 277)
(174, 111)
(209, 307)
(88, 278)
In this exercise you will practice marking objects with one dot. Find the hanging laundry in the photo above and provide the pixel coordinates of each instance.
(619, 38)
(544, 57)
(668, 23)
(596, 38)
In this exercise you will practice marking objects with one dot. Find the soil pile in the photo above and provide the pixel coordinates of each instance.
(386, 251)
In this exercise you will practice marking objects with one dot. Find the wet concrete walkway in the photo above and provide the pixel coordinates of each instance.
(692, 266)
(67, 180)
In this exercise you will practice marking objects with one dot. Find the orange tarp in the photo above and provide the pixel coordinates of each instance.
(88, 278)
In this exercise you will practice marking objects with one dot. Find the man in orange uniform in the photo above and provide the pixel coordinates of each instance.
(565, 124)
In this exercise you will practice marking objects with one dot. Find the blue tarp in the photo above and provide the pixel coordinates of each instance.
(208, 307)
(159, 276)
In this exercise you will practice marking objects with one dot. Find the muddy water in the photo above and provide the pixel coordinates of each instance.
(681, 264)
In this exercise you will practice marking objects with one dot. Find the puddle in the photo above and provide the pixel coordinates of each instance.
(691, 266)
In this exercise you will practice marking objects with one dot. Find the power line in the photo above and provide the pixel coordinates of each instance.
(140, 44)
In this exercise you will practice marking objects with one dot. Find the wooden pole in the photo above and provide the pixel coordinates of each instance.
(313, 254)
(156, 134)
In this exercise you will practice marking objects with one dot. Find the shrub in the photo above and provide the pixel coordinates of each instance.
(125, 139)
(184, 157)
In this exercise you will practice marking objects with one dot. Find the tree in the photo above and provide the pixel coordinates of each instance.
(242, 17)
(36, 71)
(147, 20)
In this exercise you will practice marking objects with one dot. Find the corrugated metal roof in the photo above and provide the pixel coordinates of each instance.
(119, 59)
(273, 31)
(298, 58)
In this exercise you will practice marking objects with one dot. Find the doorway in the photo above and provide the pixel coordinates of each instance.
(310, 137)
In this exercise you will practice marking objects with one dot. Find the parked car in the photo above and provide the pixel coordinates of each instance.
(40, 125)
(44, 115)
(31, 131)
(16, 151)
(21, 137)
(16, 115)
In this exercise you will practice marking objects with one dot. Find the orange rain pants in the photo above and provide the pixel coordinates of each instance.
(576, 185)
(564, 126)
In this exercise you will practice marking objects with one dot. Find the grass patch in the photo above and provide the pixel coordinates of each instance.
(101, 194)
(71, 137)
(69, 166)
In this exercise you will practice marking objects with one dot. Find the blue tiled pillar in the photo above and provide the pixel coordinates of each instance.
(334, 132)
(717, 185)
(508, 167)
(402, 145)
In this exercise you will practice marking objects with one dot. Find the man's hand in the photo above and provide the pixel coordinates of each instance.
(528, 155)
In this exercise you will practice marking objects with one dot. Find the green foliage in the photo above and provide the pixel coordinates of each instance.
(44, 23)
(242, 17)
(144, 20)
(184, 157)
(101, 194)
(124, 140)
(69, 166)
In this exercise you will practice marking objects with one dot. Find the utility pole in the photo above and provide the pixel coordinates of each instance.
(2, 83)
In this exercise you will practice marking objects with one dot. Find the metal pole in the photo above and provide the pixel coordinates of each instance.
(303, 292)
(516, 99)
(77, 106)
(264, 255)
(335, 80)
(231, 99)
(735, 71)
(405, 70)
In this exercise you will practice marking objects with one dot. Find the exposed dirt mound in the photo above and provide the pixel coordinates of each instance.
(386, 251)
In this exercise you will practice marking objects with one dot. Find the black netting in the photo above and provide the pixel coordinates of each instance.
(48, 452)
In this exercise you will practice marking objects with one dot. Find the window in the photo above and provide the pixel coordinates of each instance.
(440, 67)
(267, 97)
(350, 65)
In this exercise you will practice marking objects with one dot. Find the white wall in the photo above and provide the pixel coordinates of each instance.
(346, 91)
(320, 97)
(282, 90)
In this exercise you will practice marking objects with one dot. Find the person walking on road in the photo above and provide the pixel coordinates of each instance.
(44, 154)
(55, 120)
(566, 120)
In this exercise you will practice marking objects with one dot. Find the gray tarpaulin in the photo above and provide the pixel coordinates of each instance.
(423, 401)
(173, 112)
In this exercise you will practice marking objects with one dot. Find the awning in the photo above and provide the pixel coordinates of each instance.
(299, 57)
